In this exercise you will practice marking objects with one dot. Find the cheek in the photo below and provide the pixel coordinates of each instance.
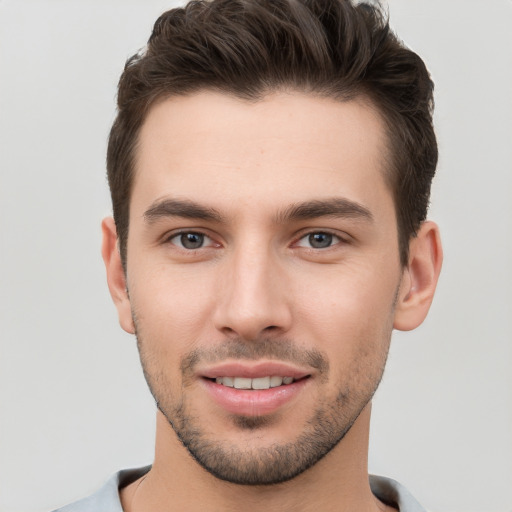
(355, 334)
(350, 310)
(171, 305)
(353, 290)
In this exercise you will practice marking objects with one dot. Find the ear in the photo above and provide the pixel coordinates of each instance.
(419, 279)
(116, 278)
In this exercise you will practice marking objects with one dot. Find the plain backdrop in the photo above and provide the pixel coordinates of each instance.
(74, 407)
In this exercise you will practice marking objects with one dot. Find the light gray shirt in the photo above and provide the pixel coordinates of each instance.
(107, 499)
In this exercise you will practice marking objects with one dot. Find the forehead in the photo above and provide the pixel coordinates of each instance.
(209, 145)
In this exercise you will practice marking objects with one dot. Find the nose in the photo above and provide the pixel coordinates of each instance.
(254, 298)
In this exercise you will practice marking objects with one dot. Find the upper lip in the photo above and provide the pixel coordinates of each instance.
(253, 370)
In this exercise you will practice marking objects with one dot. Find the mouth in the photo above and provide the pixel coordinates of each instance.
(259, 383)
(254, 389)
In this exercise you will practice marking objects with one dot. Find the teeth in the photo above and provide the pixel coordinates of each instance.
(261, 383)
(242, 383)
(228, 381)
(275, 381)
(257, 383)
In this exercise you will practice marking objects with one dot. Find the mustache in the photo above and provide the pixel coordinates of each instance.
(274, 349)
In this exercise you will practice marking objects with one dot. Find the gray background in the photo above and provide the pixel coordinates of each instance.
(74, 406)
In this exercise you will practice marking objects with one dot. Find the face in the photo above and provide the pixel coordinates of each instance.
(263, 271)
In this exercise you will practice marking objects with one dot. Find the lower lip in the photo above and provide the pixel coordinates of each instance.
(247, 402)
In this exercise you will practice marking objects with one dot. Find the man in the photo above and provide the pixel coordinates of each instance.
(270, 170)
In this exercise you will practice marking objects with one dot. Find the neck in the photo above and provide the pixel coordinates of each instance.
(176, 481)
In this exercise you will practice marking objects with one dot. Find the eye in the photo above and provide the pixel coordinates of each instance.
(191, 240)
(319, 240)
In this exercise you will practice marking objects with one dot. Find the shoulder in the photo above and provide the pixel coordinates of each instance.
(106, 498)
(395, 494)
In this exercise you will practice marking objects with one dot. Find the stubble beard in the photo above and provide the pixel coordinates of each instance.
(272, 464)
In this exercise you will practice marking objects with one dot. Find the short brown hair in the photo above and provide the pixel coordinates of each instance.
(249, 48)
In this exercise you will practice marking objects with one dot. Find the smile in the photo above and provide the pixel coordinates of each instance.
(254, 396)
(256, 383)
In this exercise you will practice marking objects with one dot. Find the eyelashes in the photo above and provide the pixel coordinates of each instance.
(191, 240)
(319, 240)
(194, 240)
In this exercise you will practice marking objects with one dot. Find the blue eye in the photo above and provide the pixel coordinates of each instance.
(318, 240)
(190, 240)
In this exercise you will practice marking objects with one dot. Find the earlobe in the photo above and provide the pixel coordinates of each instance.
(116, 278)
(419, 279)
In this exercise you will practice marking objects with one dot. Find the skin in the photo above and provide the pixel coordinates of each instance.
(258, 283)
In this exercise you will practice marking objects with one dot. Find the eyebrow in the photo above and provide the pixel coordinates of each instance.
(332, 207)
(180, 208)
